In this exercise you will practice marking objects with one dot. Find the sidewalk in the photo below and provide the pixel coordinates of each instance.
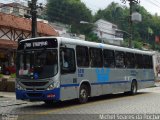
(7, 94)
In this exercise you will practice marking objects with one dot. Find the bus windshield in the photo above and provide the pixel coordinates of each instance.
(37, 64)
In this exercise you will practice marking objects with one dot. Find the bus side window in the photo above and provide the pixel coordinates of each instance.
(129, 60)
(67, 60)
(150, 62)
(82, 56)
(109, 59)
(96, 57)
(119, 59)
(147, 62)
(139, 60)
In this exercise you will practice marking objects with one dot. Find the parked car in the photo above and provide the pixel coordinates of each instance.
(9, 70)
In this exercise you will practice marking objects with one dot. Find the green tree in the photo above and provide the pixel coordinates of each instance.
(69, 12)
(120, 16)
(73, 11)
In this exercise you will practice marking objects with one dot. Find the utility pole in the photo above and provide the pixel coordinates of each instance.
(33, 6)
(130, 20)
(131, 3)
(34, 17)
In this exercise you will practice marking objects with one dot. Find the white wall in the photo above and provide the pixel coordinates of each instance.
(106, 31)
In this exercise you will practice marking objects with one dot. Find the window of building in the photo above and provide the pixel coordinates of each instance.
(5, 10)
(129, 60)
(96, 57)
(109, 59)
(82, 56)
(119, 59)
(15, 11)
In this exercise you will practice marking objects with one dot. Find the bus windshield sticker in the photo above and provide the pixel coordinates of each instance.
(102, 74)
(23, 72)
(36, 75)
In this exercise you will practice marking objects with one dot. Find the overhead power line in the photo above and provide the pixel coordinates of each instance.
(157, 1)
(153, 3)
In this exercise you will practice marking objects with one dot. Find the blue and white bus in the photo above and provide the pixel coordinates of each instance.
(56, 69)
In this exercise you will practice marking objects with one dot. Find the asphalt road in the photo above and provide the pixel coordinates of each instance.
(147, 101)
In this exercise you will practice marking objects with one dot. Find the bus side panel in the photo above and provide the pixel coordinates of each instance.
(96, 90)
(146, 78)
(117, 80)
(69, 87)
(67, 93)
(106, 81)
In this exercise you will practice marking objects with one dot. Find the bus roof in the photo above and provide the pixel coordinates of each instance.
(64, 40)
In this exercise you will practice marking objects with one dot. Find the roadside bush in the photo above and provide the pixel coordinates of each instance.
(1, 75)
(13, 75)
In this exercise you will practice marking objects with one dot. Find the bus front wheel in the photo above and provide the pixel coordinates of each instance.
(83, 94)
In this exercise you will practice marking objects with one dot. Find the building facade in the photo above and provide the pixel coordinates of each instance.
(14, 9)
(108, 32)
(11, 29)
(64, 30)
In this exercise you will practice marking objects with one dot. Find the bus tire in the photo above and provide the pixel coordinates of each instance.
(83, 94)
(133, 88)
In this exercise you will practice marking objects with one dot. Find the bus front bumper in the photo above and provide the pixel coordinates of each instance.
(38, 95)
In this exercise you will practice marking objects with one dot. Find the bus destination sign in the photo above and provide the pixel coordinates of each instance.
(38, 44)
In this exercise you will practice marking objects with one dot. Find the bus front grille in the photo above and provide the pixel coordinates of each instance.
(33, 89)
(34, 83)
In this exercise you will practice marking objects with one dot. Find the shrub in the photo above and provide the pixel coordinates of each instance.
(1, 75)
(13, 75)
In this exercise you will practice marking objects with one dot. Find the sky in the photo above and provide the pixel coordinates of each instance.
(152, 6)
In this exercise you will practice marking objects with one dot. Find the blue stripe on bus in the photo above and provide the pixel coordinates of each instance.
(146, 80)
(69, 85)
(102, 83)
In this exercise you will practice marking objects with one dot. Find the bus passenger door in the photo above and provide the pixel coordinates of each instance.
(69, 85)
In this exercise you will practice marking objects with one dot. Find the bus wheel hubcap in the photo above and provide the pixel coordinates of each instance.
(134, 88)
(83, 93)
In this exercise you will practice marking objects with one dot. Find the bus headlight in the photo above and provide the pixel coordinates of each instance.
(53, 85)
(56, 84)
(19, 87)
